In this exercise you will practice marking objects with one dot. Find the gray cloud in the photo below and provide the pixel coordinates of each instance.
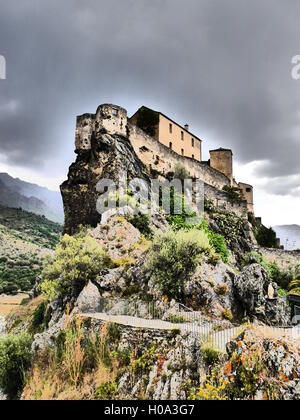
(222, 66)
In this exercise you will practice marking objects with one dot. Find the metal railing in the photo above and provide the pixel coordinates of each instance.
(163, 316)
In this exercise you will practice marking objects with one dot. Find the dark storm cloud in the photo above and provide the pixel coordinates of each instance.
(223, 66)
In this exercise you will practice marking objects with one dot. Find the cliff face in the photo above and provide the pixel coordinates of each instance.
(109, 156)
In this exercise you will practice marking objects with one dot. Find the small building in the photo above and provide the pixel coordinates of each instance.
(168, 132)
(221, 160)
(247, 191)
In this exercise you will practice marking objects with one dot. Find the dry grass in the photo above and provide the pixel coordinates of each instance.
(50, 383)
(279, 335)
(67, 379)
(19, 313)
(10, 304)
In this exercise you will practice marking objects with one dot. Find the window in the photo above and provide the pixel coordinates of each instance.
(193, 156)
(115, 112)
(193, 142)
(248, 190)
(170, 145)
(171, 128)
(182, 135)
(182, 152)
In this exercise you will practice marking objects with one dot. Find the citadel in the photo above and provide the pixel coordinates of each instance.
(160, 144)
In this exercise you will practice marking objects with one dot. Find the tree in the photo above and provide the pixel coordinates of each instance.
(77, 260)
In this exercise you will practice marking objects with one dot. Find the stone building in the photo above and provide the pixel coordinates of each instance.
(161, 144)
(247, 191)
(168, 132)
(221, 160)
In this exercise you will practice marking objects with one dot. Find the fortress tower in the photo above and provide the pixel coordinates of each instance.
(248, 194)
(221, 160)
(109, 118)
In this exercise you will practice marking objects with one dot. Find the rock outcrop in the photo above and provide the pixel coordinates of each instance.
(108, 158)
(264, 366)
(251, 288)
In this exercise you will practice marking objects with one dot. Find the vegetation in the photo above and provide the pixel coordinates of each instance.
(210, 354)
(180, 172)
(174, 256)
(266, 237)
(30, 227)
(142, 223)
(233, 193)
(15, 359)
(25, 239)
(77, 260)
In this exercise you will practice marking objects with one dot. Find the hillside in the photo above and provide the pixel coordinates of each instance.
(16, 193)
(25, 239)
(289, 236)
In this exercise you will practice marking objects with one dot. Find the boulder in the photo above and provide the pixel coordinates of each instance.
(89, 299)
(251, 289)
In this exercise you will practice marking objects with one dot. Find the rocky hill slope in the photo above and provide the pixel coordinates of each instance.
(16, 193)
(25, 239)
(152, 267)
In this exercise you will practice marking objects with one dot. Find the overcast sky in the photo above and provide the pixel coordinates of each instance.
(223, 66)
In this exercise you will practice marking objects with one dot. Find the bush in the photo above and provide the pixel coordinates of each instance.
(217, 241)
(142, 223)
(180, 172)
(210, 354)
(174, 256)
(265, 237)
(15, 359)
(77, 260)
(233, 193)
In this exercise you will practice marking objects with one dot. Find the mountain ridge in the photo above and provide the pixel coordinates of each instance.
(17, 193)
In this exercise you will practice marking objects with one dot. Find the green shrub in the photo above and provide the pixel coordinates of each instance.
(180, 172)
(15, 359)
(266, 237)
(144, 364)
(142, 223)
(210, 354)
(40, 318)
(113, 332)
(227, 314)
(77, 260)
(233, 193)
(217, 241)
(176, 319)
(107, 391)
(174, 256)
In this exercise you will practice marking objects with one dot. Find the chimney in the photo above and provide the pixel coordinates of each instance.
(187, 127)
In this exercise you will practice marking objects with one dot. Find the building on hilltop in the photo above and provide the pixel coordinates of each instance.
(168, 132)
(161, 143)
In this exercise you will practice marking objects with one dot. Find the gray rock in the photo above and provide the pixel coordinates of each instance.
(251, 290)
(89, 299)
(2, 326)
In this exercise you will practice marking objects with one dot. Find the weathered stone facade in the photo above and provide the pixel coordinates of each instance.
(108, 135)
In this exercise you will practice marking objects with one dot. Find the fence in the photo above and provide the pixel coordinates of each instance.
(162, 316)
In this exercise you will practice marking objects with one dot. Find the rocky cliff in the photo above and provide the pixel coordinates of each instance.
(109, 156)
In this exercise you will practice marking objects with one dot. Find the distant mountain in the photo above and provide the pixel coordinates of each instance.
(16, 193)
(289, 236)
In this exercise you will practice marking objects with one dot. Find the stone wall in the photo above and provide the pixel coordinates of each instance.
(283, 258)
(161, 159)
(222, 202)
(221, 160)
